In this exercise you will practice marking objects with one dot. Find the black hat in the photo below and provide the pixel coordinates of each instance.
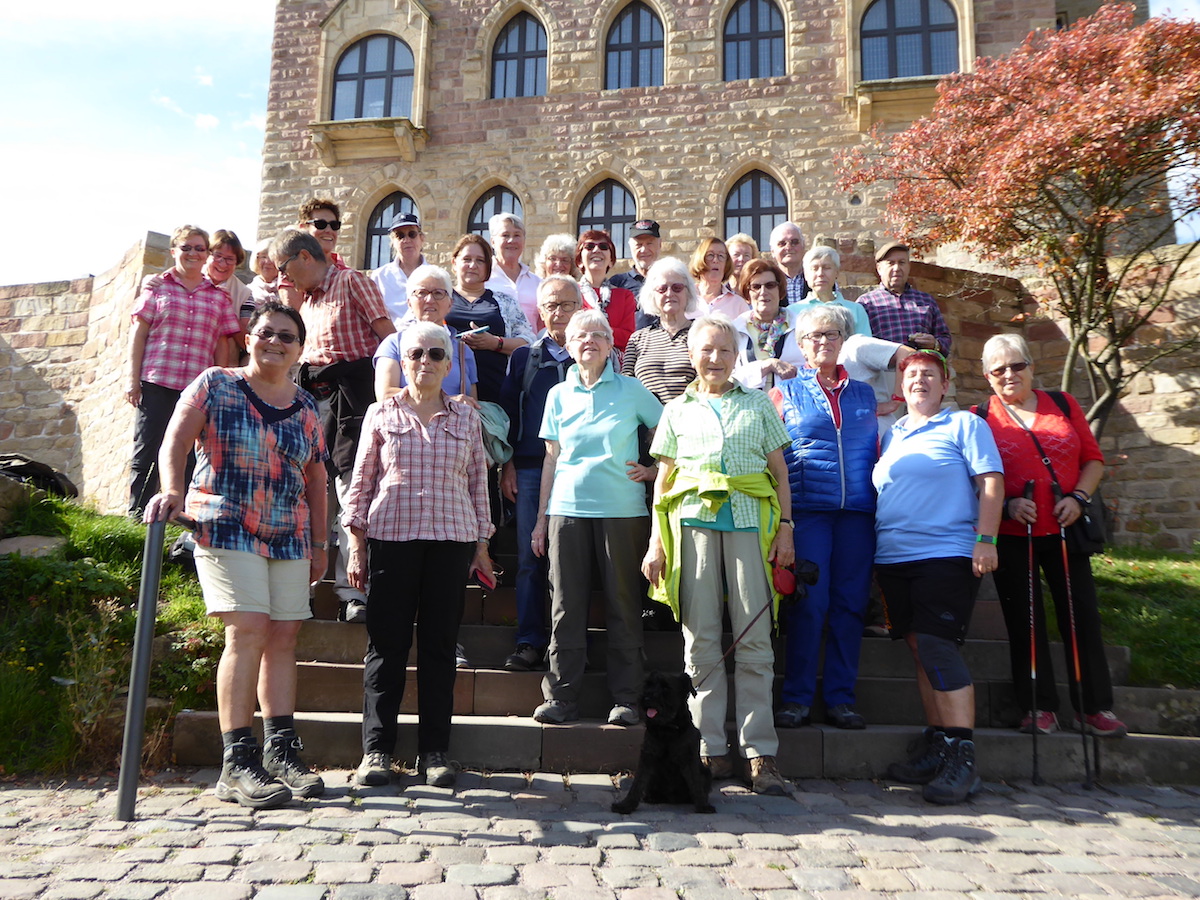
(403, 219)
(644, 226)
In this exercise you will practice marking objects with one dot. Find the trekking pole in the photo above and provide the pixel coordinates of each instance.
(1027, 494)
(1078, 699)
(139, 674)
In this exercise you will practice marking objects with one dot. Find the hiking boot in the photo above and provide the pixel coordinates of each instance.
(845, 716)
(526, 658)
(375, 769)
(356, 612)
(556, 712)
(1047, 722)
(721, 767)
(438, 771)
(1102, 724)
(925, 757)
(957, 779)
(793, 715)
(624, 715)
(281, 758)
(765, 777)
(244, 780)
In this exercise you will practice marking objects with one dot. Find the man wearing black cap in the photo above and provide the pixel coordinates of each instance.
(898, 311)
(645, 245)
(392, 279)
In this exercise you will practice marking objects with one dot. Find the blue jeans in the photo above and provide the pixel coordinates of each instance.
(531, 570)
(842, 544)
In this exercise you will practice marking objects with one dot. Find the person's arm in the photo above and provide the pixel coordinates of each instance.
(1070, 507)
(185, 426)
(356, 561)
(316, 494)
(783, 547)
(226, 352)
(941, 331)
(991, 502)
(387, 378)
(655, 560)
(383, 327)
(549, 464)
(137, 352)
(508, 481)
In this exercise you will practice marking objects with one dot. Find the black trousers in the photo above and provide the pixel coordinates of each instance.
(1012, 584)
(421, 583)
(149, 427)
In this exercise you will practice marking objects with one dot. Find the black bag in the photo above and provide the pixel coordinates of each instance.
(1088, 533)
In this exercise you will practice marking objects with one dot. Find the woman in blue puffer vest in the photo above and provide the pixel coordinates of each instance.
(831, 422)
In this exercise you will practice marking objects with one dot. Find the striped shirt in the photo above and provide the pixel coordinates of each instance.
(416, 482)
(736, 442)
(660, 360)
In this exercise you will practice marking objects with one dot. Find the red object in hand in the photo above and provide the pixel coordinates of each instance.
(784, 580)
(485, 580)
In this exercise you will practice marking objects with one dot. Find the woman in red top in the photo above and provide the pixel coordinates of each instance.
(595, 255)
(1015, 413)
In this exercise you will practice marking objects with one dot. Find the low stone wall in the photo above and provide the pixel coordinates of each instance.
(63, 348)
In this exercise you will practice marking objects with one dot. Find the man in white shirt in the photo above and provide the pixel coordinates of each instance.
(407, 240)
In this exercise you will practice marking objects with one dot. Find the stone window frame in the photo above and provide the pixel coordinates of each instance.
(470, 227)
(359, 78)
(589, 187)
(523, 58)
(559, 76)
(897, 101)
(925, 32)
(345, 141)
(604, 32)
(782, 37)
(372, 233)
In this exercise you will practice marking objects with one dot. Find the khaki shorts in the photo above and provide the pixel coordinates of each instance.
(237, 581)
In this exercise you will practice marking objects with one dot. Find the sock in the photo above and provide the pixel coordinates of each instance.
(277, 725)
(236, 736)
(963, 734)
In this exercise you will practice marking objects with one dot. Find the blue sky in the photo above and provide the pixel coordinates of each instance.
(139, 116)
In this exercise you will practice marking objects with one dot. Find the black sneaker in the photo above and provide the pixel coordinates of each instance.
(281, 758)
(957, 779)
(527, 658)
(438, 771)
(244, 780)
(925, 757)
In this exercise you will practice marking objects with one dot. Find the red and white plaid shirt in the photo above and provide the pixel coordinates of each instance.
(184, 329)
(414, 482)
(338, 317)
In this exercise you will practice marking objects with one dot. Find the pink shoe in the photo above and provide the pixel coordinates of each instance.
(1103, 724)
(1047, 723)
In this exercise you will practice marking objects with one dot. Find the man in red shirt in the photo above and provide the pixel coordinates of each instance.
(346, 319)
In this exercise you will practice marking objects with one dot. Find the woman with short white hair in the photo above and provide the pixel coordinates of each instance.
(657, 355)
(556, 257)
(822, 266)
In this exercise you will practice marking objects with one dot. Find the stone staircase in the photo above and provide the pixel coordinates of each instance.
(493, 729)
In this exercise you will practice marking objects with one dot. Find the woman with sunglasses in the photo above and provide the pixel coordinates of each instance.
(490, 322)
(419, 522)
(657, 355)
(595, 255)
(1031, 539)
(258, 499)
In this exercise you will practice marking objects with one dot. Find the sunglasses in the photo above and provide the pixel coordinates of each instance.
(592, 245)
(1015, 367)
(938, 356)
(765, 286)
(673, 288)
(285, 337)
(192, 248)
(282, 267)
(322, 224)
(416, 354)
(401, 235)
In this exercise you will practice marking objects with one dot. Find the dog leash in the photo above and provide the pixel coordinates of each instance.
(720, 662)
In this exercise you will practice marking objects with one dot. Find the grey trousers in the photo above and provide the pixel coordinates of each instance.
(617, 546)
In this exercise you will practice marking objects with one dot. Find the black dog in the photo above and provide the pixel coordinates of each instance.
(669, 768)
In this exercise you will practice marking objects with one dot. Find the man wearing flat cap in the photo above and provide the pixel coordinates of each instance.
(898, 311)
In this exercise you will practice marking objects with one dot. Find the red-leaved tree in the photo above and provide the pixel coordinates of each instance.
(1057, 156)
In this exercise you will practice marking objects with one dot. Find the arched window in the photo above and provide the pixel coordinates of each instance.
(497, 200)
(379, 247)
(754, 41)
(908, 38)
(610, 207)
(634, 49)
(519, 59)
(755, 205)
(374, 80)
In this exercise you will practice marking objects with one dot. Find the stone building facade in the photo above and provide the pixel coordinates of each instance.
(677, 151)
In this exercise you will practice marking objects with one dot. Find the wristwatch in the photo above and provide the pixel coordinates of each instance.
(985, 539)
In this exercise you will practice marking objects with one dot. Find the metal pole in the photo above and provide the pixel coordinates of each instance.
(139, 675)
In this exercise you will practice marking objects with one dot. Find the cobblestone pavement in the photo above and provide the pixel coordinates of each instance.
(516, 837)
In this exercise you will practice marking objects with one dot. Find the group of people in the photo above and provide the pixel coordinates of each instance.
(685, 429)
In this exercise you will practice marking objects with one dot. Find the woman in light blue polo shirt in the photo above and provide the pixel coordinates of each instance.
(593, 507)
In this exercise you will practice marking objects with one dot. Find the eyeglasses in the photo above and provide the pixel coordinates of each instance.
(590, 336)
(416, 354)
(569, 306)
(673, 288)
(592, 245)
(1014, 367)
(285, 337)
(715, 257)
(789, 242)
(424, 294)
(192, 248)
(322, 224)
(221, 257)
(766, 285)
(561, 260)
(399, 235)
(832, 335)
(282, 267)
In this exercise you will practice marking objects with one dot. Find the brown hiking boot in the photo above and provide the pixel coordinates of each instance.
(765, 777)
(720, 766)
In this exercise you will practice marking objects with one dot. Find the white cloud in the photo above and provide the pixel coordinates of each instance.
(167, 103)
(206, 122)
(203, 78)
(256, 121)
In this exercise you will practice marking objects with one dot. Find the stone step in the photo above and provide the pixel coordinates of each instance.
(487, 646)
(510, 743)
